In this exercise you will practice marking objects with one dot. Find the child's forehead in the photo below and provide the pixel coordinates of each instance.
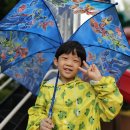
(72, 54)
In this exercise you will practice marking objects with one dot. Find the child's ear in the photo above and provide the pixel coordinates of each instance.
(55, 61)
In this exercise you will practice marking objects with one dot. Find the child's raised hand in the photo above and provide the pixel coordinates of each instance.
(46, 124)
(91, 72)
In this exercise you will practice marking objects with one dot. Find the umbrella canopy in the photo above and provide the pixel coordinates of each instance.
(105, 42)
(29, 37)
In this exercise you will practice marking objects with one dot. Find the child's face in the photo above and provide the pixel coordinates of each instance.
(68, 65)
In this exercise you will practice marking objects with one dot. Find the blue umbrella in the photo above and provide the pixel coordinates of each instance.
(28, 32)
(29, 37)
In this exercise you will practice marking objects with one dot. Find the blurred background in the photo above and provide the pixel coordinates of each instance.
(15, 100)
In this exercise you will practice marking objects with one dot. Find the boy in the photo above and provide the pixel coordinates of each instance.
(79, 105)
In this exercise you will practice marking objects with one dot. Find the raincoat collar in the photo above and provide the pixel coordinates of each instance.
(60, 83)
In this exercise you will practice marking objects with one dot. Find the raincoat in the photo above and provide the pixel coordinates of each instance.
(78, 105)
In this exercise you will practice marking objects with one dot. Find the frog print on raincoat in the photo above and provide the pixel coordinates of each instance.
(68, 102)
(62, 115)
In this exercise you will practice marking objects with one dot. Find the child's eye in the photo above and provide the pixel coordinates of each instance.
(76, 61)
(65, 58)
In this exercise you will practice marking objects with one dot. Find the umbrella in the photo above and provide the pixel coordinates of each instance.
(29, 37)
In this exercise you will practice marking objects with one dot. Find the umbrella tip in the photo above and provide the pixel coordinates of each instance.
(116, 3)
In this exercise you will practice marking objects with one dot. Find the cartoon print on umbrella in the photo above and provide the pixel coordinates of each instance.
(90, 7)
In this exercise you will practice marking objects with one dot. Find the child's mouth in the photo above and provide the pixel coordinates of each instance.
(67, 70)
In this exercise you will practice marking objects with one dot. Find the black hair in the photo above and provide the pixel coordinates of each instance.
(71, 47)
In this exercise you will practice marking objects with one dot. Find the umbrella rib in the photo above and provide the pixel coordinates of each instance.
(60, 37)
(31, 33)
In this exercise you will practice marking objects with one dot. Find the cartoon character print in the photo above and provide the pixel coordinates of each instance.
(3, 55)
(62, 114)
(63, 94)
(33, 2)
(22, 8)
(30, 69)
(114, 35)
(7, 41)
(22, 20)
(37, 14)
(109, 65)
(100, 27)
(82, 126)
(118, 31)
(116, 40)
(81, 87)
(87, 112)
(20, 51)
(40, 58)
(46, 24)
(11, 49)
(25, 20)
(76, 112)
(79, 100)
(68, 103)
(70, 126)
(91, 120)
(76, 3)
(88, 94)
(90, 56)
(112, 109)
(97, 108)
(88, 9)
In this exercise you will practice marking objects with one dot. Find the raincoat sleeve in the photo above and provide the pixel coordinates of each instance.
(109, 99)
(38, 112)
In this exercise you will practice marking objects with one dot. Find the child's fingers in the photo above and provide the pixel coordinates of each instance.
(49, 120)
(45, 126)
(85, 65)
(83, 70)
(95, 67)
(47, 123)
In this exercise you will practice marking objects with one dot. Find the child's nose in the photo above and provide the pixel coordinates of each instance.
(69, 62)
